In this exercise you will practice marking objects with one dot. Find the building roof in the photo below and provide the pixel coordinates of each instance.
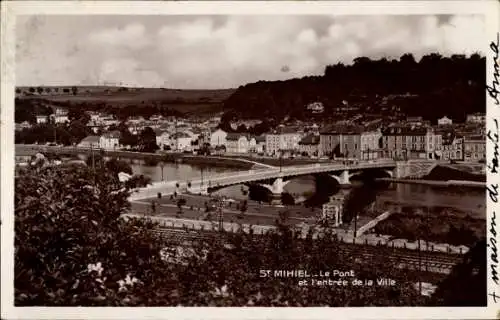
(180, 135)
(415, 118)
(475, 138)
(343, 129)
(261, 138)
(284, 130)
(159, 132)
(112, 134)
(234, 136)
(91, 139)
(404, 131)
(310, 140)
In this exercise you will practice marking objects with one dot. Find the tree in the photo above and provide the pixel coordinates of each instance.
(74, 90)
(39, 90)
(147, 140)
(78, 230)
(284, 216)
(116, 166)
(466, 285)
(180, 203)
(244, 206)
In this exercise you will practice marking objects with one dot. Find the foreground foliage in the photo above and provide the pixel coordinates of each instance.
(72, 249)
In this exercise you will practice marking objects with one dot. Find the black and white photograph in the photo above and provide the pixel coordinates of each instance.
(243, 159)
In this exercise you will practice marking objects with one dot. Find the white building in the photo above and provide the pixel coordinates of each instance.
(180, 141)
(60, 115)
(237, 143)
(444, 121)
(41, 119)
(281, 140)
(162, 138)
(316, 107)
(332, 210)
(110, 140)
(218, 138)
(476, 118)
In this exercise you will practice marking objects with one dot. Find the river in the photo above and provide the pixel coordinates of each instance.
(471, 201)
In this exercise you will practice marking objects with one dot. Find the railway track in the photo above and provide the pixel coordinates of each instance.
(433, 262)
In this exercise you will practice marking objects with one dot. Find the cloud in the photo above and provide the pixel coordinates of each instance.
(132, 36)
(228, 51)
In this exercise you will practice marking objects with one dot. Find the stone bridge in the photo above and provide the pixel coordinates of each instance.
(275, 179)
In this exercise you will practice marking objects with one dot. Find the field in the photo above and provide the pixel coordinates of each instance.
(185, 101)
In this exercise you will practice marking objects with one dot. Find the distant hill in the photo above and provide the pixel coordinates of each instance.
(432, 87)
(104, 98)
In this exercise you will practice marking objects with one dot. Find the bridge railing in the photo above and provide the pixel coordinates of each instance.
(269, 173)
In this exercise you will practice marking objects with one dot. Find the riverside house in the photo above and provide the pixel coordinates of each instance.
(237, 143)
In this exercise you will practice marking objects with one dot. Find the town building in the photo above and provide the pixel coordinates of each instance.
(90, 142)
(332, 210)
(237, 143)
(180, 141)
(110, 140)
(204, 136)
(22, 125)
(452, 148)
(257, 144)
(409, 142)
(162, 139)
(60, 115)
(309, 145)
(445, 121)
(218, 138)
(283, 140)
(41, 119)
(417, 121)
(350, 141)
(315, 107)
(476, 118)
(474, 148)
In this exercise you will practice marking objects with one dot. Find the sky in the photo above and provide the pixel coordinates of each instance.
(215, 52)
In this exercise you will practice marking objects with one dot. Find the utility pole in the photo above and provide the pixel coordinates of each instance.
(176, 136)
(355, 225)
(419, 268)
(220, 205)
(281, 159)
(162, 165)
(201, 184)
(92, 153)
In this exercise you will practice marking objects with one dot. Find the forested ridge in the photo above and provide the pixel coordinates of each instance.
(431, 87)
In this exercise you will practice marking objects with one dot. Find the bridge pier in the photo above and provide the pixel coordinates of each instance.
(343, 179)
(277, 189)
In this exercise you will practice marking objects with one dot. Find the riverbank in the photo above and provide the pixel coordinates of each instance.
(171, 157)
(447, 183)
